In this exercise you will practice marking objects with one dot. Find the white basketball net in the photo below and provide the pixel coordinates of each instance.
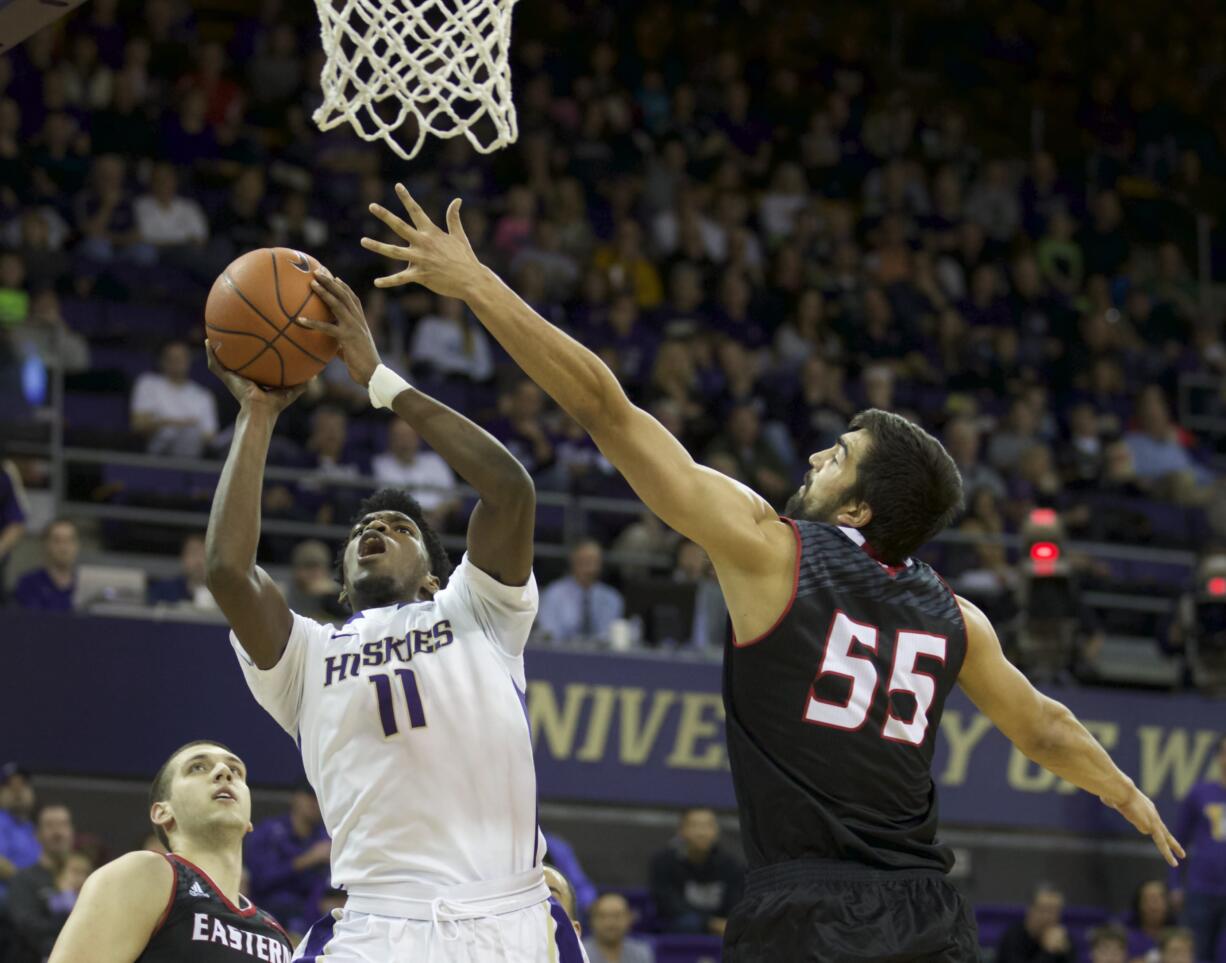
(441, 63)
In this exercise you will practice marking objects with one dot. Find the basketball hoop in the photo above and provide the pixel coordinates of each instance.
(399, 70)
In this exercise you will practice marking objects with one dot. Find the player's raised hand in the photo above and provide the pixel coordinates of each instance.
(355, 344)
(250, 396)
(1139, 810)
(442, 261)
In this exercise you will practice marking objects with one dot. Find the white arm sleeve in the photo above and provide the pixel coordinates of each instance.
(279, 689)
(551, 623)
(503, 612)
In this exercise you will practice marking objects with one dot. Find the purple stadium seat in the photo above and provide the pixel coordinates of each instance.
(154, 321)
(95, 410)
(123, 357)
(365, 436)
(993, 920)
(678, 948)
(87, 318)
(453, 393)
(199, 484)
(550, 522)
(128, 482)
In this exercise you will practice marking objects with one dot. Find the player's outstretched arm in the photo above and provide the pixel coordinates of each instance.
(727, 518)
(501, 528)
(117, 911)
(1048, 732)
(249, 598)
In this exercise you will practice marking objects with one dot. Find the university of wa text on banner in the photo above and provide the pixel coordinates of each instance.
(114, 696)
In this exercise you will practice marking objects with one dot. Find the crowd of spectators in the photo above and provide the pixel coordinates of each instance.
(690, 886)
(762, 218)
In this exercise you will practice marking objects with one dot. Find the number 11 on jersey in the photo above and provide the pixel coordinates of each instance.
(387, 707)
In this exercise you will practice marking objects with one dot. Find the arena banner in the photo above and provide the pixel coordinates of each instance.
(112, 697)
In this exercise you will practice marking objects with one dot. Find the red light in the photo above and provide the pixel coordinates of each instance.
(1044, 551)
(1217, 585)
(1043, 516)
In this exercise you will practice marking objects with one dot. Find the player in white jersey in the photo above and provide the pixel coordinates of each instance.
(410, 717)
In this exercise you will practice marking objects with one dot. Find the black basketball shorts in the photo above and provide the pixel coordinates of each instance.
(818, 911)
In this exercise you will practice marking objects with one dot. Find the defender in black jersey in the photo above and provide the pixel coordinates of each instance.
(183, 907)
(844, 650)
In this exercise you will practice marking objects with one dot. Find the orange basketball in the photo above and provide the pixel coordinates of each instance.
(249, 318)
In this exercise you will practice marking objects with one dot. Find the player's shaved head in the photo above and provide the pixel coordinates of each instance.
(561, 889)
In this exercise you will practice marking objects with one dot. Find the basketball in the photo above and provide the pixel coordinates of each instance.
(249, 318)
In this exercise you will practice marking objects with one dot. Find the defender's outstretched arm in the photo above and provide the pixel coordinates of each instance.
(719, 513)
(1047, 731)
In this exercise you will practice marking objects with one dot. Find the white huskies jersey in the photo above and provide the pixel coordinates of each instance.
(414, 732)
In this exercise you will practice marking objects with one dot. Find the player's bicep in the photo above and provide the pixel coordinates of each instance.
(719, 513)
(500, 534)
(119, 907)
(257, 612)
(995, 684)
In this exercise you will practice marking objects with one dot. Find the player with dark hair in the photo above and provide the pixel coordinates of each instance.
(843, 652)
(183, 907)
(399, 501)
(411, 717)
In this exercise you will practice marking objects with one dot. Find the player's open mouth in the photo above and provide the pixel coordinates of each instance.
(371, 544)
(225, 794)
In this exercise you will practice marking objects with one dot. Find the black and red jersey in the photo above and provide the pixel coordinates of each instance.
(201, 926)
(832, 715)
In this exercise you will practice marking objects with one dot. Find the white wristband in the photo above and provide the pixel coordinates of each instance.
(385, 385)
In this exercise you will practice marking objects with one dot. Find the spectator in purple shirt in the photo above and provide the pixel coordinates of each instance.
(1198, 887)
(106, 219)
(1151, 916)
(186, 137)
(50, 588)
(522, 427)
(189, 585)
(18, 843)
(288, 857)
(36, 906)
(625, 342)
(560, 855)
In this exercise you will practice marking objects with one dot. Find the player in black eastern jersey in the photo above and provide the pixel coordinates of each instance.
(183, 907)
(844, 649)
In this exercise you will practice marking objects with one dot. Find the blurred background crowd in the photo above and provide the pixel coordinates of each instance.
(999, 218)
(691, 883)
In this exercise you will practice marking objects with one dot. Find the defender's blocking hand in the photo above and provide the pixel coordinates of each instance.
(1139, 810)
(442, 261)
